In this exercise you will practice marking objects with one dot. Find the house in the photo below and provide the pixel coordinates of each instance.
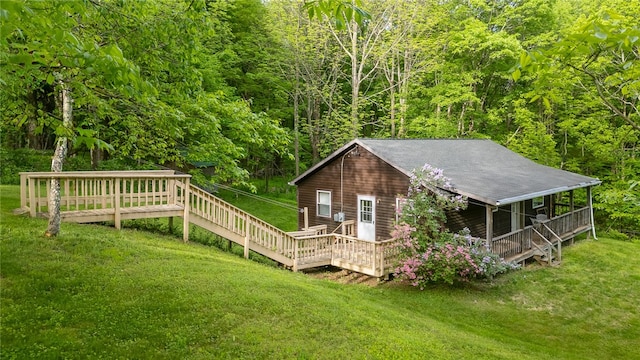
(515, 204)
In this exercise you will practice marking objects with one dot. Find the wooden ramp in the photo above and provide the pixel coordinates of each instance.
(114, 196)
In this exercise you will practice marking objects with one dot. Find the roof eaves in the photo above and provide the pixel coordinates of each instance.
(515, 199)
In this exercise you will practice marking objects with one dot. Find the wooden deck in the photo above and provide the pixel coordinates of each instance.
(123, 195)
(544, 238)
(114, 196)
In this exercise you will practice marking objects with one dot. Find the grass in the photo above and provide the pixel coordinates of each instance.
(284, 218)
(95, 292)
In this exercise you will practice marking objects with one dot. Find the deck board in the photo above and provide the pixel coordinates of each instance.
(108, 214)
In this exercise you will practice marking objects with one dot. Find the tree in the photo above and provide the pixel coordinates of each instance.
(597, 62)
(602, 51)
(42, 47)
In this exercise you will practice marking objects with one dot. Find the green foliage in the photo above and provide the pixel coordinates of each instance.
(12, 162)
(139, 91)
(338, 11)
(621, 202)
(532, 139)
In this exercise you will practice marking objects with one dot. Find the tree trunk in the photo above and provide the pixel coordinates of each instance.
(355, 82)
(296, 135)
(66, 103)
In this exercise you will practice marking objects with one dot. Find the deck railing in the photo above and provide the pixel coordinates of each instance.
(114, 195)
(103, 192)
(513, 243)
(375, 258)
(564, 226)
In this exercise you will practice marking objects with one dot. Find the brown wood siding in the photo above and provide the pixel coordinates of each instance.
(530, 212)
(473, 218)
(502, 220)
(362, 174)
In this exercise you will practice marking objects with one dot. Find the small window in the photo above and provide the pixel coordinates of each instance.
(324, 203)
(537, 202)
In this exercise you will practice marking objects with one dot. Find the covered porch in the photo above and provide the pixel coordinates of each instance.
(538, 231)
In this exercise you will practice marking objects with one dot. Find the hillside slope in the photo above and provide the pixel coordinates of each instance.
(98, 292)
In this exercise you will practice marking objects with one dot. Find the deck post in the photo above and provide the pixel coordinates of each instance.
(306, 218)
(246, 237)
(593, 225)
(116, 205)
(489, 224)
(185, 216)
(32, 196)
(571, 208)
(295, 254)
(23, 190)
(559, 249)
(246, 246)
(381, 252)
(170, 225)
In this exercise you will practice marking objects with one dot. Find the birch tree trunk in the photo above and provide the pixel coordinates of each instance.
(66, 104)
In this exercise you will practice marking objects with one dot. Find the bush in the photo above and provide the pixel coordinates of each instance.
(14, 161)
(430, 253)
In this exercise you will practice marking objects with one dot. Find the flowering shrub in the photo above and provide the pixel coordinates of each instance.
(430, 253)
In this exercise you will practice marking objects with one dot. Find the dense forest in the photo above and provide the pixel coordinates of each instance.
(261, 88)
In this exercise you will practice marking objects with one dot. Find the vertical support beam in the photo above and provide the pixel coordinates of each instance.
(306, 218)
(246, 246)
(23, 190)
(185, 216)
(593, 224)
(295, 254)
(171, 192)
(523, 218)
(571, 205)
(374, 260)
(116, 205)
(381, 253)
(103, 191)
(489, 224)
(32, 196)
(170, 224)
(559, 250)
(571, 209)
(246, 237)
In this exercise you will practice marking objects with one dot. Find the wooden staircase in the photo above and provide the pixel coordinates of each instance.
(120, 195)
(546, 245)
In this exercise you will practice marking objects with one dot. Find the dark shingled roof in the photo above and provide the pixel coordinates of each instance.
(479, 169)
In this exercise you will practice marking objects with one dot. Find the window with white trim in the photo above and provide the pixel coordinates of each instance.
(323, 202)
(537, 202)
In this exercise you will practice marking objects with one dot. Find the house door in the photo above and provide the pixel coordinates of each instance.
(366, 217)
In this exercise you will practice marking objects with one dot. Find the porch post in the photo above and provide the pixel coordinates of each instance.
(489, 224)
(593, 225)
(185, 216)
(306, 218)
(571, 208)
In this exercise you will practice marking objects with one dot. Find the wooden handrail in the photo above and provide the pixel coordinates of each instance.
(549, 245)
(84, 175)
(117, 195)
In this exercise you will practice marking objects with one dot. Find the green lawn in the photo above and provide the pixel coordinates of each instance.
(95, 292)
